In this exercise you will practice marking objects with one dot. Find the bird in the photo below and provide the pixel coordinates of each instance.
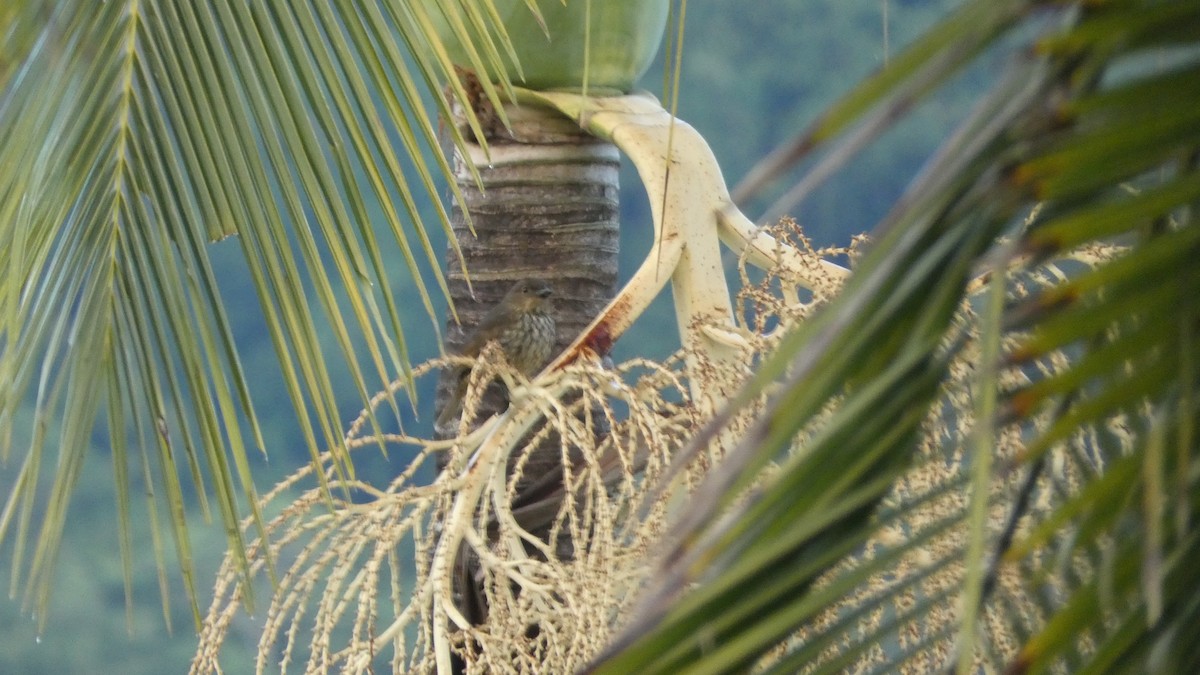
(523, 325)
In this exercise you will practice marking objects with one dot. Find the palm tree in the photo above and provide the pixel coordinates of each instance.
(1035, 279)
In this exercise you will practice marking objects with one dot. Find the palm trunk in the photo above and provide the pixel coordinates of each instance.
(548, 209)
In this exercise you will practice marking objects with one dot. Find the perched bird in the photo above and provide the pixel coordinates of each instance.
(523, 326)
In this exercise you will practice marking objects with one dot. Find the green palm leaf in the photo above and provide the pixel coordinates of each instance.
(134, 133)
(1096, 127)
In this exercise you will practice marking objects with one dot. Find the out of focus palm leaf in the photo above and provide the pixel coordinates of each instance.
(1095, 129)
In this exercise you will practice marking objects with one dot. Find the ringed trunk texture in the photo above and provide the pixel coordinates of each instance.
(549, 210)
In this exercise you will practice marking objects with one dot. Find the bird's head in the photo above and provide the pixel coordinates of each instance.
(528, 295)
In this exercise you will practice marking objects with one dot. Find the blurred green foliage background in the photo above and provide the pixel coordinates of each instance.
(753, 75)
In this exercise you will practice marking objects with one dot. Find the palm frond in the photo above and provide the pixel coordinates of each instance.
(135, 133)
(1109, 445)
